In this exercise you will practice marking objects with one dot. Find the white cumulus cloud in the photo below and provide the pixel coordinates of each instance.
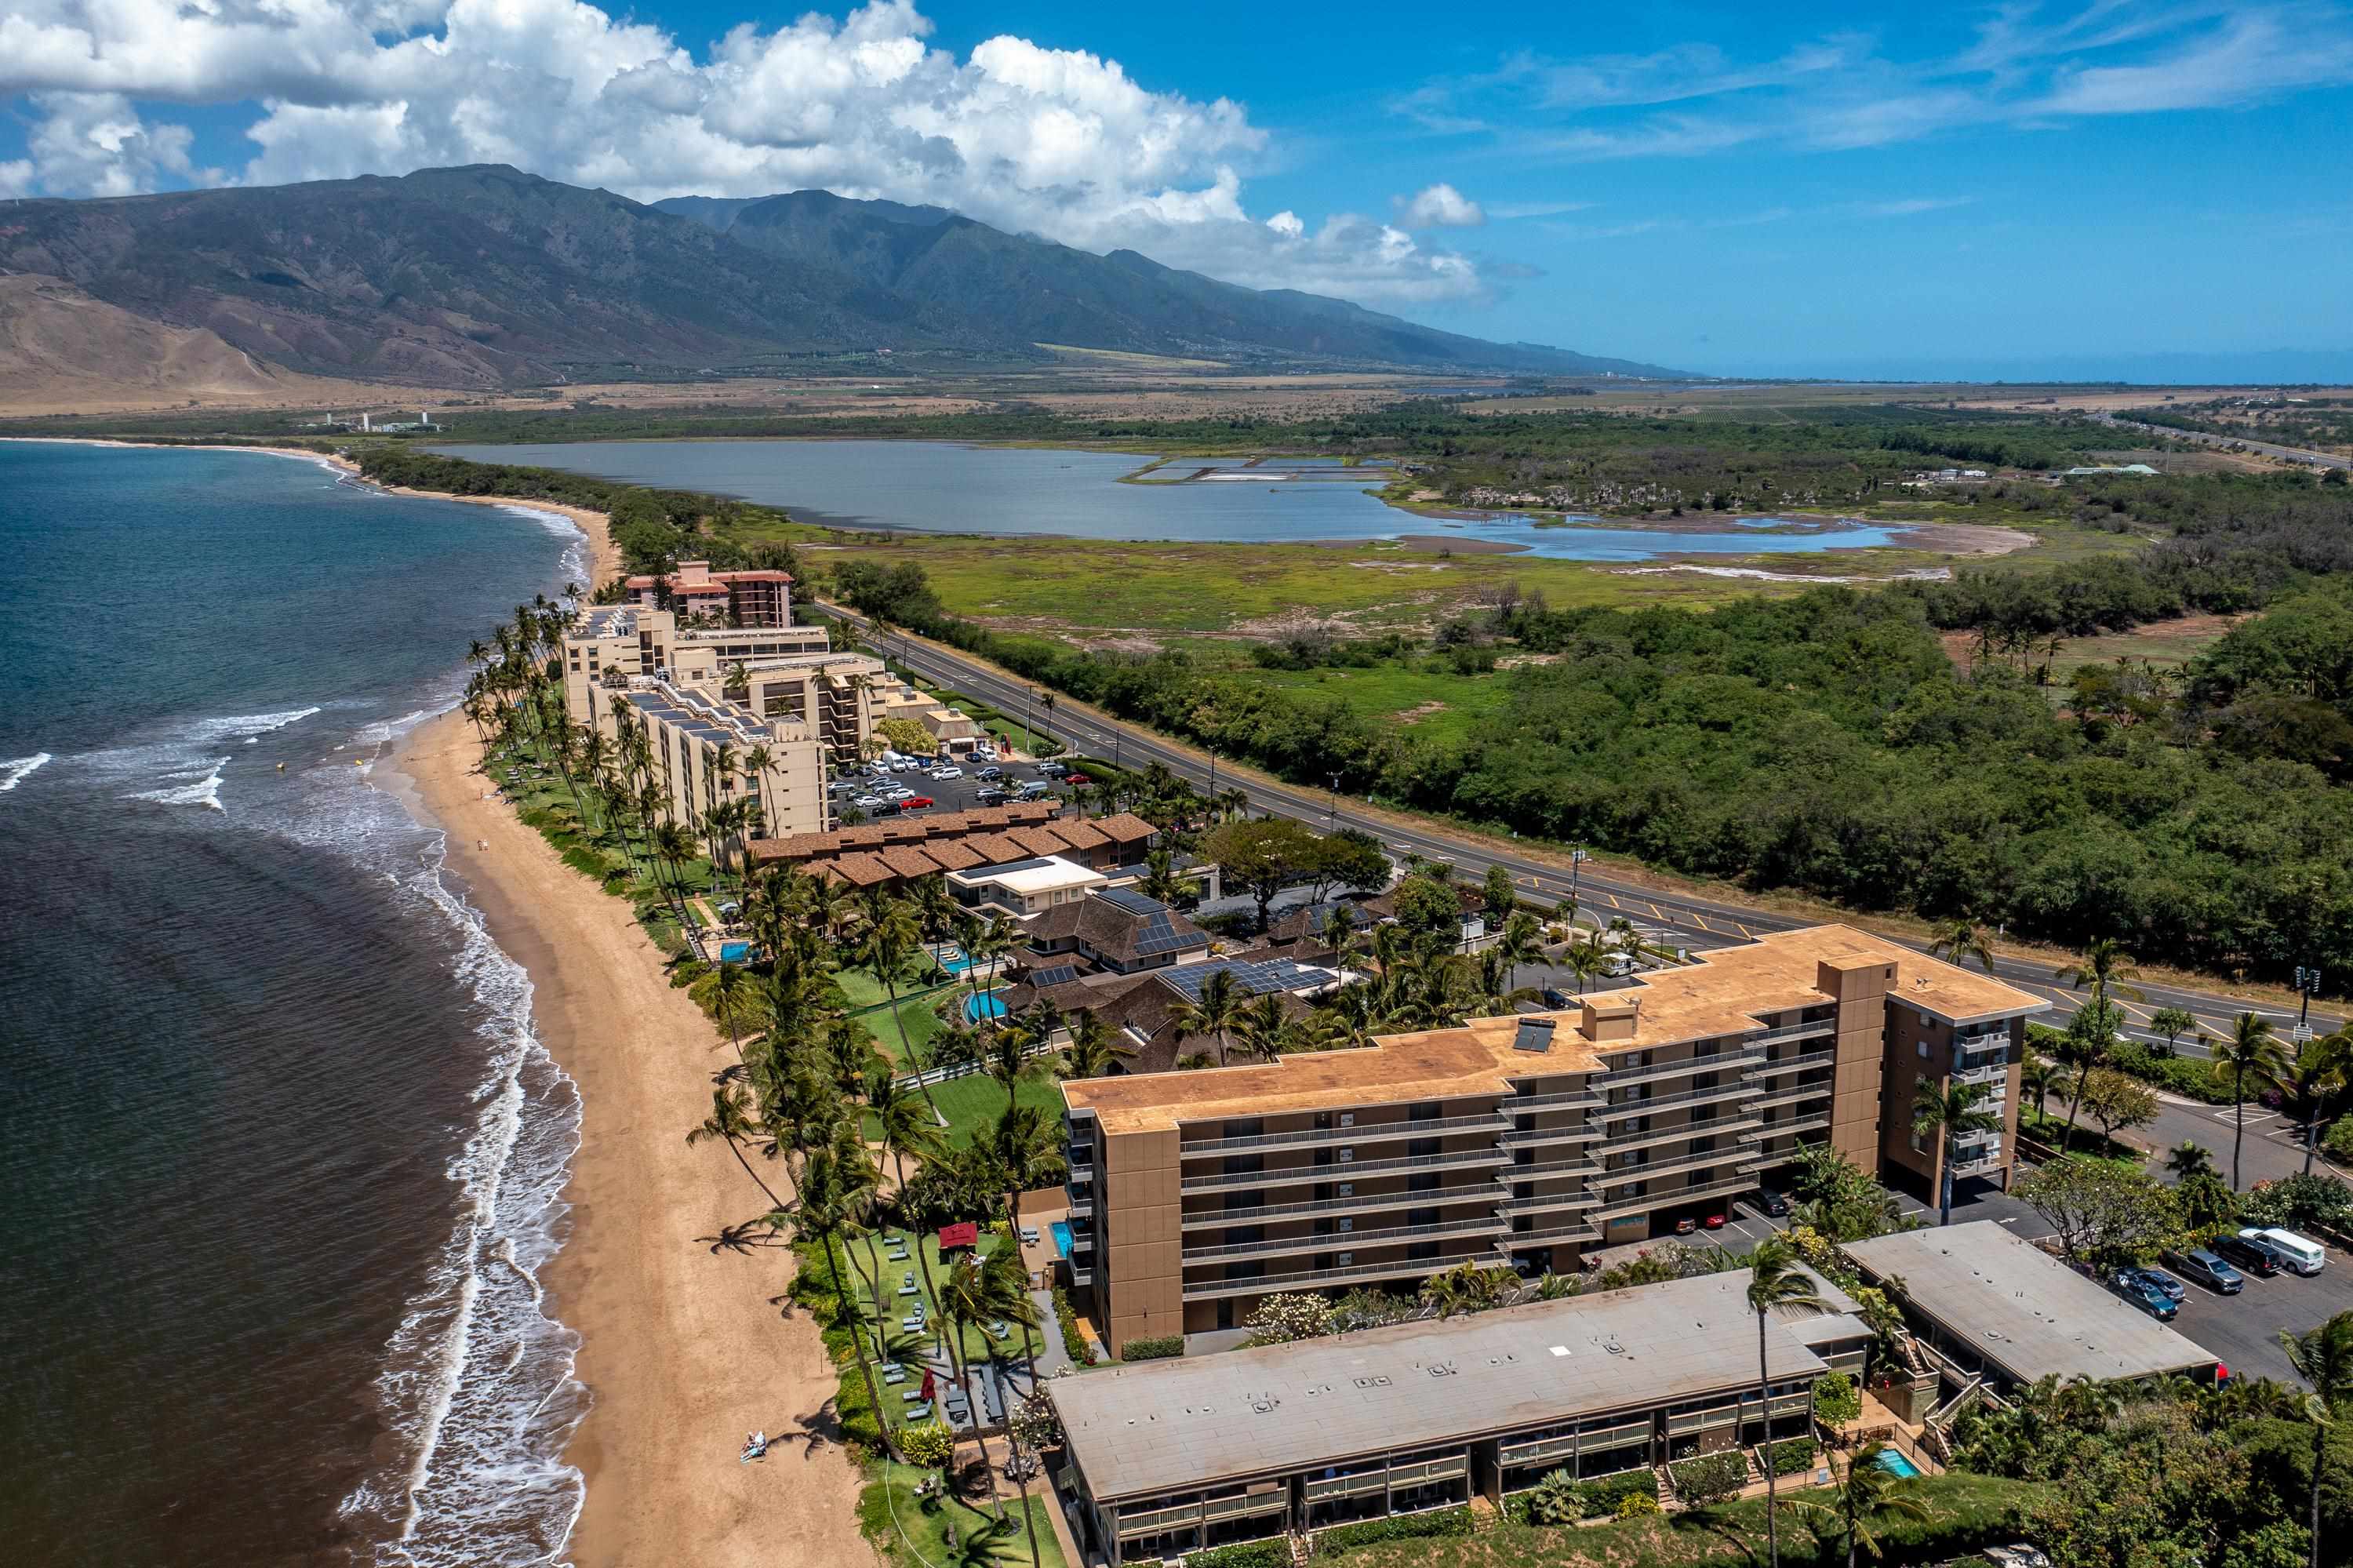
(1440, 206)
(1059, 142)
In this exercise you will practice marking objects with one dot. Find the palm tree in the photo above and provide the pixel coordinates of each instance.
(1160, 878)
(968, 1298)
(2251, 1055)
(1776, 1283)
(1585, 957)
(1094, 1049)
(891, 937)
(1949, 1109)
(1022, 1148)
(2037, 1076)
(2186, 1159)
(1007, 1058)
(2106, 968)
(1260, 1023)
(731, 992)
(1521, 943)
(1008, 1284)
(2318, 1073)
(1961, 942)
(1868, 1493)
(906, 1131)
(2323, 1357)
(728, 1120)
(820, 1213)
(1216, 1013)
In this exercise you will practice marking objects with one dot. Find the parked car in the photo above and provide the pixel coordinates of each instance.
(2164, 1283)
(2126, 1283)
(887, 809)
(916, 802)
(992, 797)
(1076, 778)
(1713, 1222)
(1032, 790)
(2251, 1257)
(1775, 1203)
(866, 802)
(841, 786)
(1553, 998)
(947, 772)
(1618, 965)
(1686, 1226)
(990, 773)
(905, 765)
(2301, 1253)
(2207, 1269)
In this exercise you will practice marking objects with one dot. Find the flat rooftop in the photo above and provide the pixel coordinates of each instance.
(2021, 1309)
(1168, 1426)
(1042, 874)
(1726, 993)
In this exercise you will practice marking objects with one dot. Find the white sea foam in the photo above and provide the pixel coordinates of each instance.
(202, 791)
(255, 726)
(478, 1379)
(17, 770)
(575, 553)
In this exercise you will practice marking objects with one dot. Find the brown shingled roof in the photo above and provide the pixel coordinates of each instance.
(954, 854)
(1125, 827)
(863, 870)
(996, 849)
(909, 862)
(1077, 833)
(1037, 840)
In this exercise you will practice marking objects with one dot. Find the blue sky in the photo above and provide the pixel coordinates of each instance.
(2155, 190)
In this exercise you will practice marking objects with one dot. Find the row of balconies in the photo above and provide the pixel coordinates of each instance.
(1679, 1195)
(1649, 1137)
(1485, 1192)
(1739, 1055)
(1813, 1089)
(1619, 1176)
(1620, 1108)
(1396, 1235)
(1797, 1061)
(1537, 1137)
(1322, 1278)
(1349, 1131)
(1803, 1030)
(1294, 1175)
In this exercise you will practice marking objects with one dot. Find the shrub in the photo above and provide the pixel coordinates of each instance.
(2191, 1077)
(1273, 1553)
(2338, 1142)
(1711, 1477)
(1152, 1348)
(1793, 1456)
(930, 1444)
(1074, 1342)
(2300, 1200)
(1437, 1522)
(1638, 1505)
(1606, 1496)
(1279, 1319)
(1835, 1399)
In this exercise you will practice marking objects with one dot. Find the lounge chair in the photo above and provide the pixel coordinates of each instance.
(1029, 1234)
(998, 1330)
(919, 1412)
(894, 1374)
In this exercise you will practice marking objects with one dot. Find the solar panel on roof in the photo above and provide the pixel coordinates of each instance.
(1132, 901)
(1254, 977)
(1061, 974)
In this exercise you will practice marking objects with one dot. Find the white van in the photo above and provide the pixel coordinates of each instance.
(2301, 1255)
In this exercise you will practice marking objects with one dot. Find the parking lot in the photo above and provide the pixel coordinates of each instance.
(947, 794)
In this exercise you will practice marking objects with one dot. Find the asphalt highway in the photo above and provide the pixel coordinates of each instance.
(1675, 919)
(2206, 439)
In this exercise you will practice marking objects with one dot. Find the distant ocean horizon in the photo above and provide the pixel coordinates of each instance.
(284, 1154)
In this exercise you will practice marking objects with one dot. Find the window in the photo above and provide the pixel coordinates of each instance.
(1420, 1146)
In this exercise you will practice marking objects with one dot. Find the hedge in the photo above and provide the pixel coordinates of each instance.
(1793, 1456)
(1711, 1477)
(1275, 1553)
(1599, 1498)
(1074, 1342)
(1437, 1522)
(1152, 1348)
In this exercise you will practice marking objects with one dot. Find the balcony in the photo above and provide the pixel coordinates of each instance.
(1543, 1202)
(1362, 1132)
(1569, 1100)
(1618, 1077)
(1991, 1073)
(1805, 1030)
(1649, 1201)
(1814, 1122)
(1487, 1191)
(1584, 1230)
(1535, 1136)
(1978, 1164)
(1325, 1489)
(1081, 1199)
(1673, 1136)
(1396, 1236)
(1792, 1094)
(1622, 1175)
(1318, 1278)
(1732, 1091)
(1295, 1175)
(1583, 1165)
(1779, 1065)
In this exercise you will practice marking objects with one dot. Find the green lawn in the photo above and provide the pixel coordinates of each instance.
(1436, 704)
(914, 1530)
(974, 1344)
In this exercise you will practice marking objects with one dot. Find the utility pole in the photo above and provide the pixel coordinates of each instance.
(2307, 980)
(1332, 807)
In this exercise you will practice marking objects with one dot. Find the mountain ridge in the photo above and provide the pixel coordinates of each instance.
(485, 276)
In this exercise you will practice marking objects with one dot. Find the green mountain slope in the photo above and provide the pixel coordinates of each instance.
(484, 276)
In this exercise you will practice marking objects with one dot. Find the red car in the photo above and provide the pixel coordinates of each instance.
(1713, 1222)
(916, 802)
(1077, 779)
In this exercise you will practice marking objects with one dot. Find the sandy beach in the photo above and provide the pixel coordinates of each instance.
(684, 1349)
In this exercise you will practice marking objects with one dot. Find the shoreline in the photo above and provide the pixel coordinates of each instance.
(604, 555)
(684, 1346)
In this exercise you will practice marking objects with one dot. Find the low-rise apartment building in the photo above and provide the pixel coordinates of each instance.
(1523, 1140)
(698, 593)
(1168, 1458)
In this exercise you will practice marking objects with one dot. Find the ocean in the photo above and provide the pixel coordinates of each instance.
(283, 1155)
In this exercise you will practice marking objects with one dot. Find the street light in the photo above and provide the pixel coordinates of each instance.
(2307, 980)
(1332, 807)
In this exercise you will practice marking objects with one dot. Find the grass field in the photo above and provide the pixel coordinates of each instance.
(1440, 704)
(973, 1103)
(913, 1531)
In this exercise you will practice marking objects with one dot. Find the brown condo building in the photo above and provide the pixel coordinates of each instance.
(1523, 1140)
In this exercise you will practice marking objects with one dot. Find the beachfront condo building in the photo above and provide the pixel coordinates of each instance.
(704, 598)
(706, 750)
(1526, 1140)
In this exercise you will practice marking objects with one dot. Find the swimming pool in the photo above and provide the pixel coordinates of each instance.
(734, 952)
(1895, 1464)
(1061, 1229)
(988, 1004)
